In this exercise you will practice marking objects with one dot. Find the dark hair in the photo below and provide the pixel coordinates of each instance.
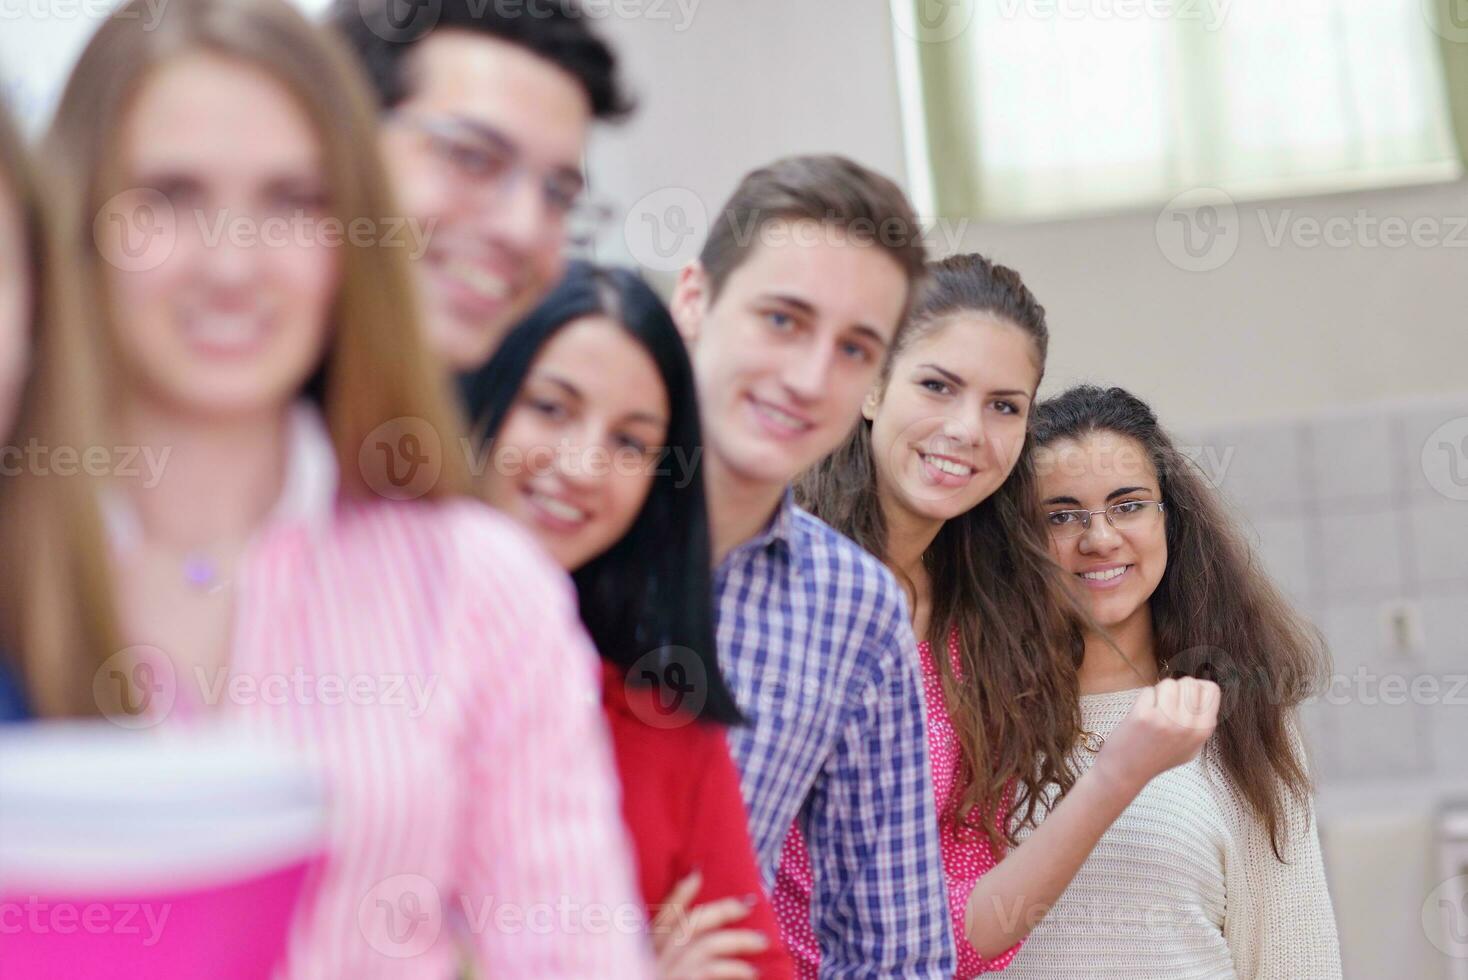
(1215, 613)
(835, 191)
(994, 582)
(555, 30)
(653, 588)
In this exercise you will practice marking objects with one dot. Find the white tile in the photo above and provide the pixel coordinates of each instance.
(1448, 722)
(1212, 453)
(1440, 541)
(1445, 633)
(1281, 545)
(1432, 456)
(1352, 462)
(1317, 727)
(1379, 731)
(1351, 631)
(1261, 467)
(1359, 555)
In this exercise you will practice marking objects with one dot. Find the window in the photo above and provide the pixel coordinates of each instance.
(1022, 109)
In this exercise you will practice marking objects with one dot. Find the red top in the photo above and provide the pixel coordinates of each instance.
(682, 805)
(966, 853)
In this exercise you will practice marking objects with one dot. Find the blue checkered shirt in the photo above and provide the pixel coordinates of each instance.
(815, 642)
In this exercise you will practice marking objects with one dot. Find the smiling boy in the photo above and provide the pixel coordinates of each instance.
(789, 313)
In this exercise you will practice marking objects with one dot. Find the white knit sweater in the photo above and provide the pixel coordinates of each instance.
(1184, 885)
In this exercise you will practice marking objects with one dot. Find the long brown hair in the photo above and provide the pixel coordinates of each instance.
(377, 367)
(55, 593)
(1215, 613)
(994, 582)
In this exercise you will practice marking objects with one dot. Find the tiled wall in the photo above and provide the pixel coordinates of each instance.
(1356, 514)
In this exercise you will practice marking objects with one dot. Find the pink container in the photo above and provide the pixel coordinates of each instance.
(130, 854)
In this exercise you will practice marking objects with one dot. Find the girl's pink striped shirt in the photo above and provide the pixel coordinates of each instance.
(428, 658)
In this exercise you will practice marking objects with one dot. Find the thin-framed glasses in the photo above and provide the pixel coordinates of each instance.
(1128, 515)
(488, 162)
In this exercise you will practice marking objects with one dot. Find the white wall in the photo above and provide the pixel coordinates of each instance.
(1272, 360)
(1276, 331)
(725, 85)
(41, 39)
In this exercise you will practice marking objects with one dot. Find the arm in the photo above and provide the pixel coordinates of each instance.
(1280, 922)
(719, 845)
(543, 836)
(1167, 727)
(880, 905)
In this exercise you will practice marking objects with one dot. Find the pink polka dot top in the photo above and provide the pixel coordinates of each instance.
(966, 857)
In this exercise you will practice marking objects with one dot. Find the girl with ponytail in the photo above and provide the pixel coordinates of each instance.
(938, 482)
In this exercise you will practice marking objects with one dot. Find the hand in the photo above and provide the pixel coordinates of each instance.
(1166, 727)
(696, 945)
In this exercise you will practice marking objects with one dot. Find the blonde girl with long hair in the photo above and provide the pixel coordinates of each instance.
(292, 547)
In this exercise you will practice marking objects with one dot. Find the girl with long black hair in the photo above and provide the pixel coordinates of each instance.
(592, 440)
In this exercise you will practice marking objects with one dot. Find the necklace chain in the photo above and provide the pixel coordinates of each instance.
(1093, 741)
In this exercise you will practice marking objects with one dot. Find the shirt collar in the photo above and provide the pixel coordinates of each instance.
(307, 495)
(779, 533)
